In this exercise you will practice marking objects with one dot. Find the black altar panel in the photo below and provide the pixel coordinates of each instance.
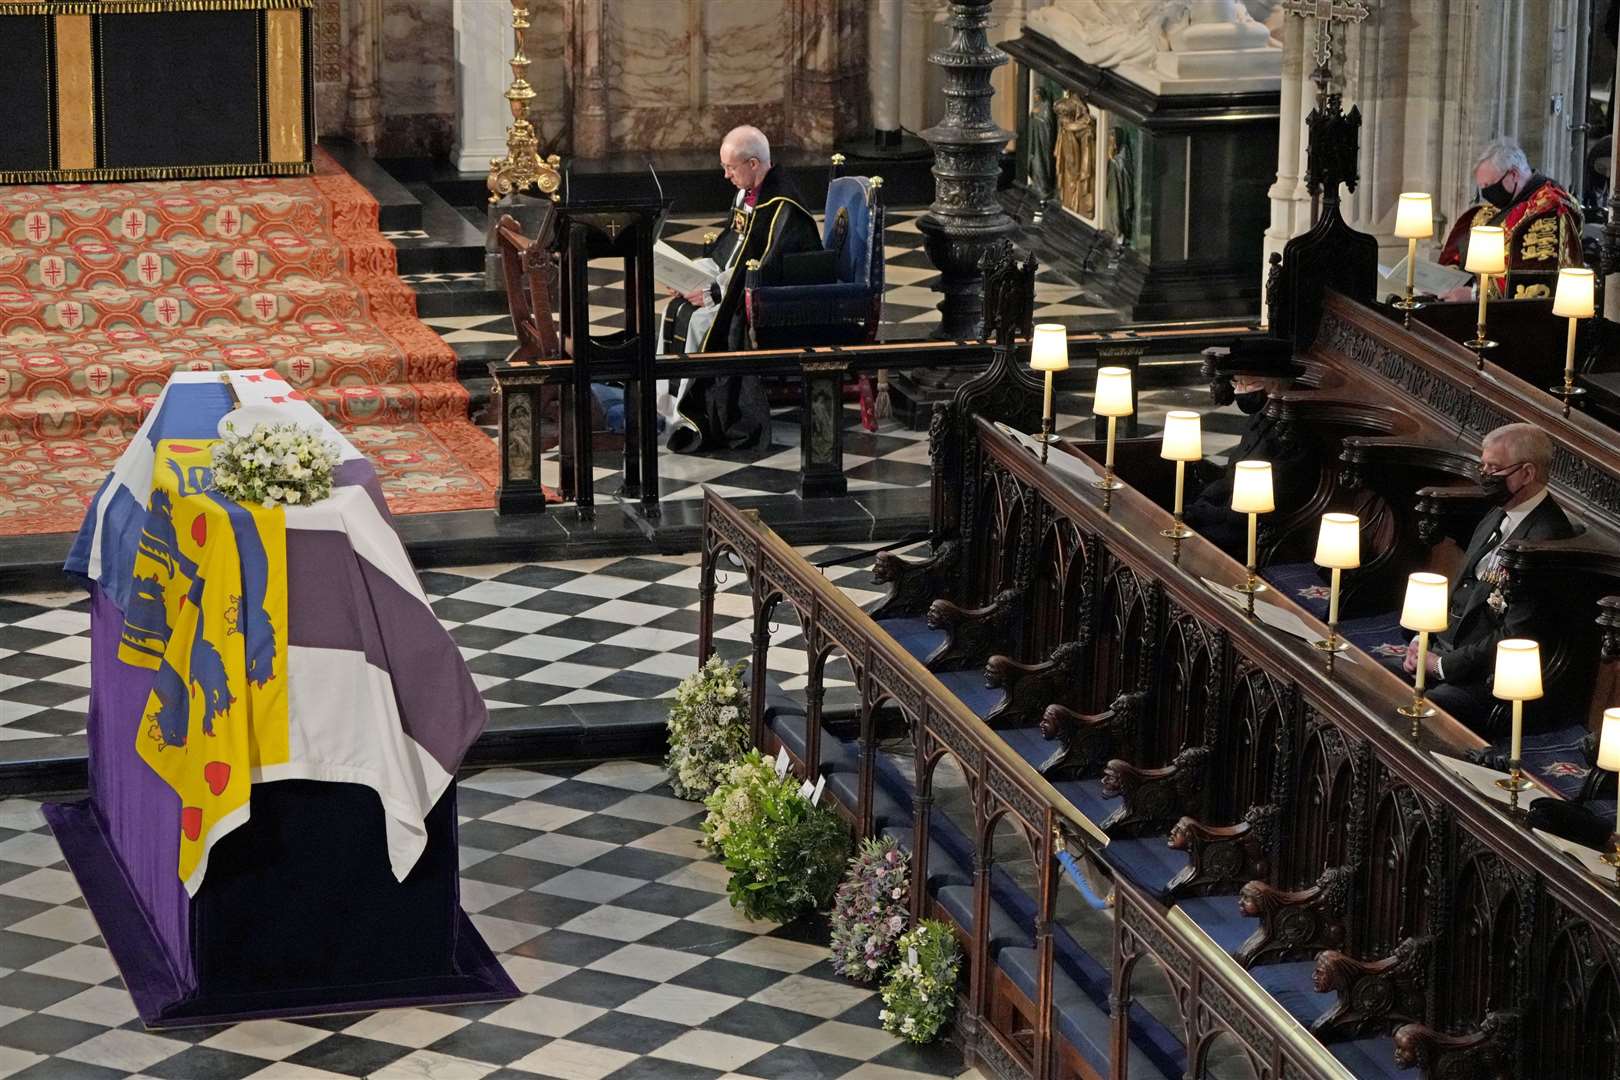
(25, 137)
(155, 89)
(182, 88)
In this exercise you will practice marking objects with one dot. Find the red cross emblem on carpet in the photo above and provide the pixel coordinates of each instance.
(132, 226)
(228, 221)
(52, 271)
(149, 268)
(70, 314)
(37, 227)
(245, 264)
(98, 377)
(166, 311)
(264, 306)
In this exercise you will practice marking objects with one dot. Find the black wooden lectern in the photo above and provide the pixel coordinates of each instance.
(621, 230)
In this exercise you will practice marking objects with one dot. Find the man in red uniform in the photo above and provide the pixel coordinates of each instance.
(1541, 219)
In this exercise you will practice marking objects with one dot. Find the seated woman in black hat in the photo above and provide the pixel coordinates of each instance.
(1260, 368)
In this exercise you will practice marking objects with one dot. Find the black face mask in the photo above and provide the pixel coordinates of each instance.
(1251, 401)
(1495, 486)
(1497, 195)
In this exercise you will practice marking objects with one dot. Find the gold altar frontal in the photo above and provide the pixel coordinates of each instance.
(155, 89)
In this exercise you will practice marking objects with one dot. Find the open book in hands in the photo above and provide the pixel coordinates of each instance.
(1430, 277)
(675, 271)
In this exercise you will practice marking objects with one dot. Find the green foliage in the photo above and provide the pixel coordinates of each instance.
(920, 993)
(707, 728)
(784, 854)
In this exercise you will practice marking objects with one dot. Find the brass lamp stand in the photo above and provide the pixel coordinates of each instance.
(1518, 679)
(1426, 612)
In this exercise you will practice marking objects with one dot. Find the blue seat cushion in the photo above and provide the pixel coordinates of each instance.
(969, 688)
(1219, 917)
(1303, 583)
(1080, 1022)
(1379, 636)
(914, 635)
(1292, 986)
(1370, 1057)
(1555, 758)
(1029, 744)
(1147, 862)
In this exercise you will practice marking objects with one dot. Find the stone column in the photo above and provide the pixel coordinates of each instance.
(966, 220)
(884, 27)
(586, 30)
(827, 87)
(1287, 192)
(483, 45)
(365, 66)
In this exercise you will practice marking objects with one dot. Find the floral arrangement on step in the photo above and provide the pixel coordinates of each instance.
(919, 995)
(870, 909)
(707, 730)
(784, 853)
(274, 464)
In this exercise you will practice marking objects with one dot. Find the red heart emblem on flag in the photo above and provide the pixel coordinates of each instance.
(199, 530)
(218, 774)
(191, 821)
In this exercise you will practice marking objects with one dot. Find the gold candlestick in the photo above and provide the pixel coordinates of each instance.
(1182, 441)
(522, 167)
(1575, 301)
(1414, 221)
(1609, 759)
(1252, 495)
(1487, 255)
(1424, 611)
(1518, 679)
(1338, 547)
(1049, 354)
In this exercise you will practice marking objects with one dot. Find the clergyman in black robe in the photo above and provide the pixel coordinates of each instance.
(769, 222)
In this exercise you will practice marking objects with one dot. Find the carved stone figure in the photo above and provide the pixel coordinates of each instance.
(1076, 150)
(1042, 134)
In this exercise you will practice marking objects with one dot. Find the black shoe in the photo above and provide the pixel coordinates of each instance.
(685, 440)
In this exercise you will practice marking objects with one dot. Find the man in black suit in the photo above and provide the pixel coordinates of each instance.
(1260, 368)
(1514, 463)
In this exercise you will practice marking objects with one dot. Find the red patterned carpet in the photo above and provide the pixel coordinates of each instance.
(106, 289)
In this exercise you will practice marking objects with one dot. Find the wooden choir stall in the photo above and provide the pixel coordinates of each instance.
(1176, 839)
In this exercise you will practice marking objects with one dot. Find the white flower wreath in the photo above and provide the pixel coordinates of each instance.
(274, 464)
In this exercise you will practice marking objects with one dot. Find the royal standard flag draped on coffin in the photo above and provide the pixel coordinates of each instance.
(209, 613)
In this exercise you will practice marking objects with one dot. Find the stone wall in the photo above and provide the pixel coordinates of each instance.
(611, 76)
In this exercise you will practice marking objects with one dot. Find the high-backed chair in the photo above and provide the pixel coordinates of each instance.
(837, 300)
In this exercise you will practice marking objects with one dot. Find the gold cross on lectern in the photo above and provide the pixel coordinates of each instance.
(1326, 13)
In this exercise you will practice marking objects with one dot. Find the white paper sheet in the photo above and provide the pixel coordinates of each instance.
(675, 271)
(1430, 277)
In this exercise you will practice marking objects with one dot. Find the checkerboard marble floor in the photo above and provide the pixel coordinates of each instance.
(589, 884)
(909, 301)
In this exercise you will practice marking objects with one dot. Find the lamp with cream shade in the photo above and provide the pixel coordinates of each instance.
(1609, 758)
(1414, 221)
(1113, 400)
(1574, 300)
(1517, 679)
(1252, 495)
(1424, 610)
(1048, 354)
(1338, 548)
(1181, 442)
(1487, 255)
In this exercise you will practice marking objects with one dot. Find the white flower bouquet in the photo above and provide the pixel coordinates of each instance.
(707, 728)
(920, 993)
(274, 464)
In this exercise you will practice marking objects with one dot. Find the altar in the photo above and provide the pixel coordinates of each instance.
(1146, 143)
(156, 90)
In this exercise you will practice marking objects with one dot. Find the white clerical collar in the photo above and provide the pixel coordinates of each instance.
(1515, 517)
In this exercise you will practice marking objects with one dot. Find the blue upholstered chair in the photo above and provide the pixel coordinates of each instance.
(829, 301)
